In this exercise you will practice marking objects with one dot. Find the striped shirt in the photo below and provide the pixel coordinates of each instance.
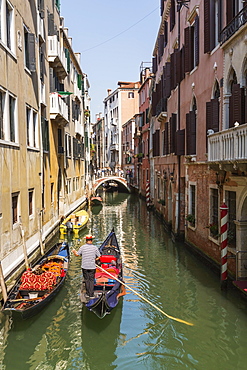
(88, 252)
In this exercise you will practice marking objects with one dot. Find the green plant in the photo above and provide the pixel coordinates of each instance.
(191, 218)
(214, 230)
(162, 202)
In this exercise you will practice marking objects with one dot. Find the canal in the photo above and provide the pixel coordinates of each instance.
(135, 335)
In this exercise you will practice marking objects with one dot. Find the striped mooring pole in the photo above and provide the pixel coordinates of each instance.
(224, 243)
(148, 193)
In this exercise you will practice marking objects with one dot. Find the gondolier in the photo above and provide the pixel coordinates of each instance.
(89, 253)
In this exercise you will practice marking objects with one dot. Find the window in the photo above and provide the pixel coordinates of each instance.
(214, 214)
(7, 24)
(32, 132)
(191, 217)
(12, 108)
(2, 101)
(45, 133)
(68, 186)
(231, 203)
(15, 208)
(131, 95)
(191, 119)
(30, 61)
(30, 202)
(212, 24)
(52, 192)
(191, 52)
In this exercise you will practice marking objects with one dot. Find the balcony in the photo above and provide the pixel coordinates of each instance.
(161, 110)
(56, 56)
(114, 147)
(229, 148)
(58, 110)
(238, 21)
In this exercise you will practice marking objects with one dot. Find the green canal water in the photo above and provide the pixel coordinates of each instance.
(135, 335)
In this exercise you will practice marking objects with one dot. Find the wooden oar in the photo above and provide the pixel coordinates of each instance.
(145, 299)
(24, 299)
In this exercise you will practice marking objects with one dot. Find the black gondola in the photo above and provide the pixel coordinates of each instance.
(39, 285)
(107, 288)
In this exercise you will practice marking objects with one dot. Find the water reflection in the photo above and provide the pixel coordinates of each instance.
(135, 335)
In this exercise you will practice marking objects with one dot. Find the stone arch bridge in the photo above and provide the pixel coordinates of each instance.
(121, 181)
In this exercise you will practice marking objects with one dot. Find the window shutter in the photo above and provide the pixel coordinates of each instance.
(166, 149)
(208, 115)
(187, 58)
(172, 15)
(193, 132)
(173, 127)
(73, 110)
(51, 28)
(161, 7)
(165, 33)
(31, 52)
(179, 143)
(197, 35)
(154, 60)
(231, 117)
(182, 72)
(188, 133)
(178, 66)
(173, 71)
(229, 10)
(168, 80)
(52, 80)
(215, 111)
(238, 104)
(207, 25)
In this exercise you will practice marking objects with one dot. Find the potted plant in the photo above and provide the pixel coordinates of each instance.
(191, 219)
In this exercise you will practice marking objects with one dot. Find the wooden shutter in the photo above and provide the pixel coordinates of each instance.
(168, 80)
(182, 72)
(193, 132)
(238, 104)
(161, 7)
(173, 72)
(172, 15)
(31, 52)
(229, 10)
(179, 143)
(187, 48)
(51, 28)
(215, 110)
(187, 133)
(166, 139)
(165, 33)
(207, 25)
(154, 60)
(197, 36)
(173, 127)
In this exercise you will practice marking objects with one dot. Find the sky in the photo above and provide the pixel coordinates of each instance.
(114, 37)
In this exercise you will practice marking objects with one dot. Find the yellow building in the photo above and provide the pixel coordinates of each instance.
(42, 167)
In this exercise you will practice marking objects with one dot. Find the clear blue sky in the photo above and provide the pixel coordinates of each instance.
(131, 24)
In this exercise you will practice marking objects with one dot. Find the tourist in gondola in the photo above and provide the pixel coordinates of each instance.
(90, 254)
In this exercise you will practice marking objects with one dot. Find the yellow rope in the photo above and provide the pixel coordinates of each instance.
(145, 299)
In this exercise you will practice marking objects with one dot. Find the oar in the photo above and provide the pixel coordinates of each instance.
(145, 299)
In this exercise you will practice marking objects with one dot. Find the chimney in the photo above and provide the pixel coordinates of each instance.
(109, 91)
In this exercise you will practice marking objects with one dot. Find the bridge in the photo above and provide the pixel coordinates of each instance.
(121, 181)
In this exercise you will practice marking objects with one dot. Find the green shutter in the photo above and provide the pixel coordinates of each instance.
(79, 81)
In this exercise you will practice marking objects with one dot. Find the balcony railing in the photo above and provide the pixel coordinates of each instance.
(56, 56)
(238, 21)
(228, 145)
(58, 109)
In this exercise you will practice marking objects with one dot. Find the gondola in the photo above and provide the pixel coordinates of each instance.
(96, 201)
(74, 222)
(108, 276)
(38, 285)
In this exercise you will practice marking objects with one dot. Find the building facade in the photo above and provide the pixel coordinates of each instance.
(198, 96)
(42, 127)
(119, 106)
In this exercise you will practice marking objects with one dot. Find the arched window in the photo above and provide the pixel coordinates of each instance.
(212, 110)
(236, 102)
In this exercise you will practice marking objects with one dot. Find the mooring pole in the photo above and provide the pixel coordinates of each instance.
(148, 193)
(224, 243)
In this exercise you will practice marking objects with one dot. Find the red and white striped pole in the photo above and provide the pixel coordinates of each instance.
(224, 243)
(148, 193)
